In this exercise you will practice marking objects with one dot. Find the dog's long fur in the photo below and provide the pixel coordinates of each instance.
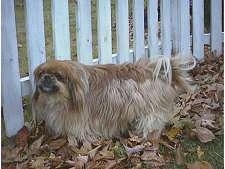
(103, 101)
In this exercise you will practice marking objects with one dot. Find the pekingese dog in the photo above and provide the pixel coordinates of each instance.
(88, 102)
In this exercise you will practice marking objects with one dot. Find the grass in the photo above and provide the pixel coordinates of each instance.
(213, 153)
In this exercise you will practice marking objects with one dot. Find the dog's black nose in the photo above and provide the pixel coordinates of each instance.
(48, 83)
(47, 78)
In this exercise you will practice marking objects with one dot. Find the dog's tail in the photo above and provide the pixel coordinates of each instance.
(174, 70)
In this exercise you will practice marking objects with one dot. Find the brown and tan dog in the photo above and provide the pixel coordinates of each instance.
(102, 101)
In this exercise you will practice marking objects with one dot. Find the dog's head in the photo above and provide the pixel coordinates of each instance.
(65, 79)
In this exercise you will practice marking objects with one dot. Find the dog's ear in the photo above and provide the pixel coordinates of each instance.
(36, 74)
(77, 83)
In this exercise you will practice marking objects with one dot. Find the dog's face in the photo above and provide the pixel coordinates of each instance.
(61, 79)
(50, 78)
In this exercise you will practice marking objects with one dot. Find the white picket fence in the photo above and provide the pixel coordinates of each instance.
(175, 36)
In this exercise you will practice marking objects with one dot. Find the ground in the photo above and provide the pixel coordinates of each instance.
(193, 139)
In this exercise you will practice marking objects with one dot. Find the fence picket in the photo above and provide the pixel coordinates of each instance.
(139, 41)
(153, 40)
(198, 28)
(35, 35)
(122, 31)
(11, 87)
(104, 31)
(165, 27)
(84, 32)
(216, 26)
(175, 18)
(61, 32)
(184, 13)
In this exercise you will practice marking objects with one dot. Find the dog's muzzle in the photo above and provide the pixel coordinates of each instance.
(47, 83)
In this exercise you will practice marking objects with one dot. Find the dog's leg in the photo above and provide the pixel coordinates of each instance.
(146, 125)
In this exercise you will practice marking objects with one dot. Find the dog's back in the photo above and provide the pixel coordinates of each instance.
(140, 95)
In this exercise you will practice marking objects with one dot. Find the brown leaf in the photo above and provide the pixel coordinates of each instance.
(22, 137)
(200, 153)
(8, 166)
(199, 165)
(36, 144)
(207, 115)
(107, 154)
(179, 157)
(93, 152)
(214, 106)
(200, 101)
(10, 154)
(135, 149)
(57, 144)
(206, 119)
(220, 87)
(79, 162)
(112, 163)
(149, 155)
(153, 158)
(39, 163)
(85, 148)
(208, 123)
(172, 133)
(186, 109)
(87, 145)
(204, 134)
(134, 138)
(22, 165)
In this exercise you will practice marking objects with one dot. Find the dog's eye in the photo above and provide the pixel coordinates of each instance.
(58, 76)
(40, 73)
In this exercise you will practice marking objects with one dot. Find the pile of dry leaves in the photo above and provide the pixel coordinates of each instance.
(200, 116)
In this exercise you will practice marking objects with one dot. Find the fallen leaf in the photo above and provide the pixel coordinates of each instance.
(79, 162)
(93, 152)
(87, 145)
(153, 159)
(172, 133)
(207, 115)
(200, 153)
(135, 149)
(186, 109)
(149, 155)
(134, 138)
(22, 137)
(8, 166)
(52, 156)
(199, 165)
(200, 101)
(179, 157)
(10, 154)
(208, 123)
(204, 134)
(38, 163)
(85, 148)
(36, 144)
(214, 106)
(57, 144)
(167, 145)
(22, 165)
(107, 154)
(112, 163)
